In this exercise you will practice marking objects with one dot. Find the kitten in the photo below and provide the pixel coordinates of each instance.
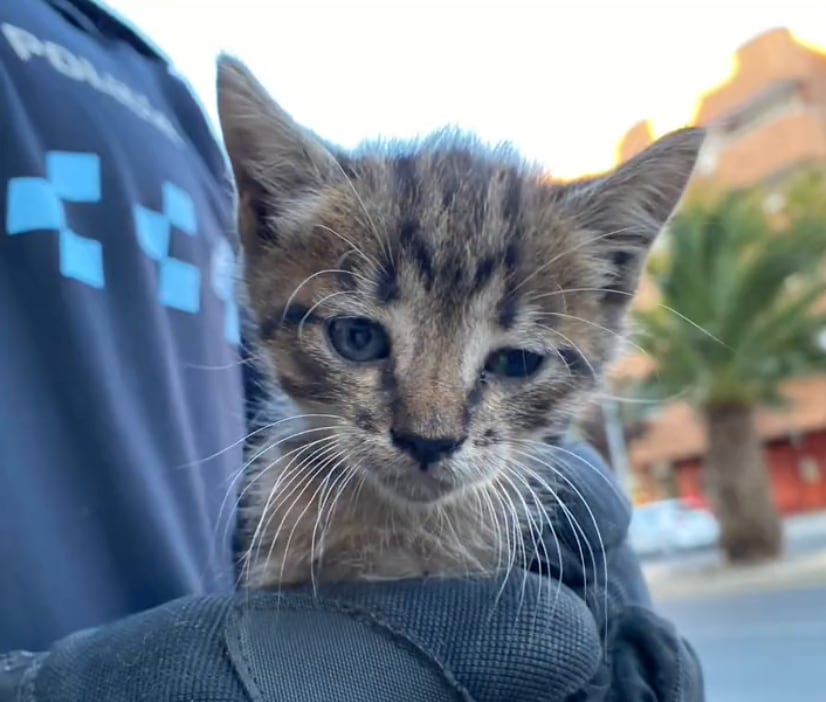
(432, 310)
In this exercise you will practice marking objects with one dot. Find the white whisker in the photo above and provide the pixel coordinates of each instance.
(561, 475)
(579, 245)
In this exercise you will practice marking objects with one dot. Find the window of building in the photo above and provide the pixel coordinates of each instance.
(777, 101)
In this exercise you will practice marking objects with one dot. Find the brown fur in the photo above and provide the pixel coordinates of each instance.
(457, 251)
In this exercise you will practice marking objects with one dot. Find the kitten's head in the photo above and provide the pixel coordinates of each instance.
(444, 301)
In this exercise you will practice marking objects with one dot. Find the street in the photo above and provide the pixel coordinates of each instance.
(758, 647)
(760, 631)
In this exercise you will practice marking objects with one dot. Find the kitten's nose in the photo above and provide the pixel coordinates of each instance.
(426, 450)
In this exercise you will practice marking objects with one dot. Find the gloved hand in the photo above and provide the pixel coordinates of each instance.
(649, 661)
(413, 640)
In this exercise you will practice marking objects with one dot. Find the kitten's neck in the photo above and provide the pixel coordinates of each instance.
(335, 526)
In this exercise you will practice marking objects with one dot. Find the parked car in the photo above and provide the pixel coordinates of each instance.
(672, 526)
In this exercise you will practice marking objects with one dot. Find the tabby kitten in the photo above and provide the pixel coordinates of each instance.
(430, 311)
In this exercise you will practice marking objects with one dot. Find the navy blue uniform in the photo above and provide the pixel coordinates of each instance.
(121, 403)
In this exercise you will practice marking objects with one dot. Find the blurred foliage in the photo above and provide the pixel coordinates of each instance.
(743, 293)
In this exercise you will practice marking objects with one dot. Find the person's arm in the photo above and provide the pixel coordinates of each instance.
(121, 404)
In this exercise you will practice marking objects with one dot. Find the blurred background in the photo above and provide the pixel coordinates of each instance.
(715, 416)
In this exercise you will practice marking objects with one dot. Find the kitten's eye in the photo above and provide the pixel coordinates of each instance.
(513, 363)
(358, 339)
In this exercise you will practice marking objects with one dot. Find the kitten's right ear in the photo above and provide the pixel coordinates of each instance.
(274, 160)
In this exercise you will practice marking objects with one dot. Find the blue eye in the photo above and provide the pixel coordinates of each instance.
(513, 363)
(358, 339)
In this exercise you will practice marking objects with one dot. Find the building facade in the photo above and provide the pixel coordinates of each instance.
(766, 121)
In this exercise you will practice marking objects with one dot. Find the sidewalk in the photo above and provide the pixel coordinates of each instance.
(674, 582)
(694, 578)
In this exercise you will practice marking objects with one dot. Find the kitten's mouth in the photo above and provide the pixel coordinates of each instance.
(422, 487)
(414, 487)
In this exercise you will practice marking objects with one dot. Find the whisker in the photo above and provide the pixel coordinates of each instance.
(242, 472)
(316, 541)
(289, 476)
(561, 475)
(642, 400)
(572, 521)
(222, 367)
(372, 261)
(511, 549)
(351, 476)
(382, 242)
(248, 436)
(574, 346)
(531, 526)
(536, 536)
(316, 305)
(326, 271)
(621, 498)
(616, 334)
(304, 475)
(568, 251)
(324, 482)
(662, 305)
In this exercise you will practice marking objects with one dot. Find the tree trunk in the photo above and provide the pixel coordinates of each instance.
(740, 485)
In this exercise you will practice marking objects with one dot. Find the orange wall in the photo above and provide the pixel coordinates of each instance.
(795, 138)
(791, 493)
(769, 58)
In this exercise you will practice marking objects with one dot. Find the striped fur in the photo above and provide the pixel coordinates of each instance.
(457, 251)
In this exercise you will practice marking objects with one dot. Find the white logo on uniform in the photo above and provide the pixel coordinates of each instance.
(27, 46)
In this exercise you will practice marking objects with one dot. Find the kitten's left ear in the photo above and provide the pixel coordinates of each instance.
(624, 210)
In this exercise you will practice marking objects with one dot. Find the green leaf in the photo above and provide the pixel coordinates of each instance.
(739, 298)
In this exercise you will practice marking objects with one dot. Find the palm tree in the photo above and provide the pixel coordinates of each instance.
(742, 313)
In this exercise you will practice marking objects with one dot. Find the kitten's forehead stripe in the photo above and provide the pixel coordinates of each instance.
(511, 257)
(512, 205)
(387, 284)
(453, 272)
(408, 229)
(508, 310)
(509, 304)
(404, 171)
(419, 250)
(483, 274)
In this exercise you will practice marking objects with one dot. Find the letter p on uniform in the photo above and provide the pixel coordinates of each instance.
(25, 44)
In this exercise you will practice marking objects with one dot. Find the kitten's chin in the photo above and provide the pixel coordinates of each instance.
(422, 490)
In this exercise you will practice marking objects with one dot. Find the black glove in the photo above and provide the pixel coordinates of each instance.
(413, 640)
(649, 661)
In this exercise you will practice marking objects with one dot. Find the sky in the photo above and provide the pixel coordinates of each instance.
(562, 80)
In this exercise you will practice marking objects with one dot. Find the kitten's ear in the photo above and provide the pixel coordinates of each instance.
(274, 160)
(626, 209)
